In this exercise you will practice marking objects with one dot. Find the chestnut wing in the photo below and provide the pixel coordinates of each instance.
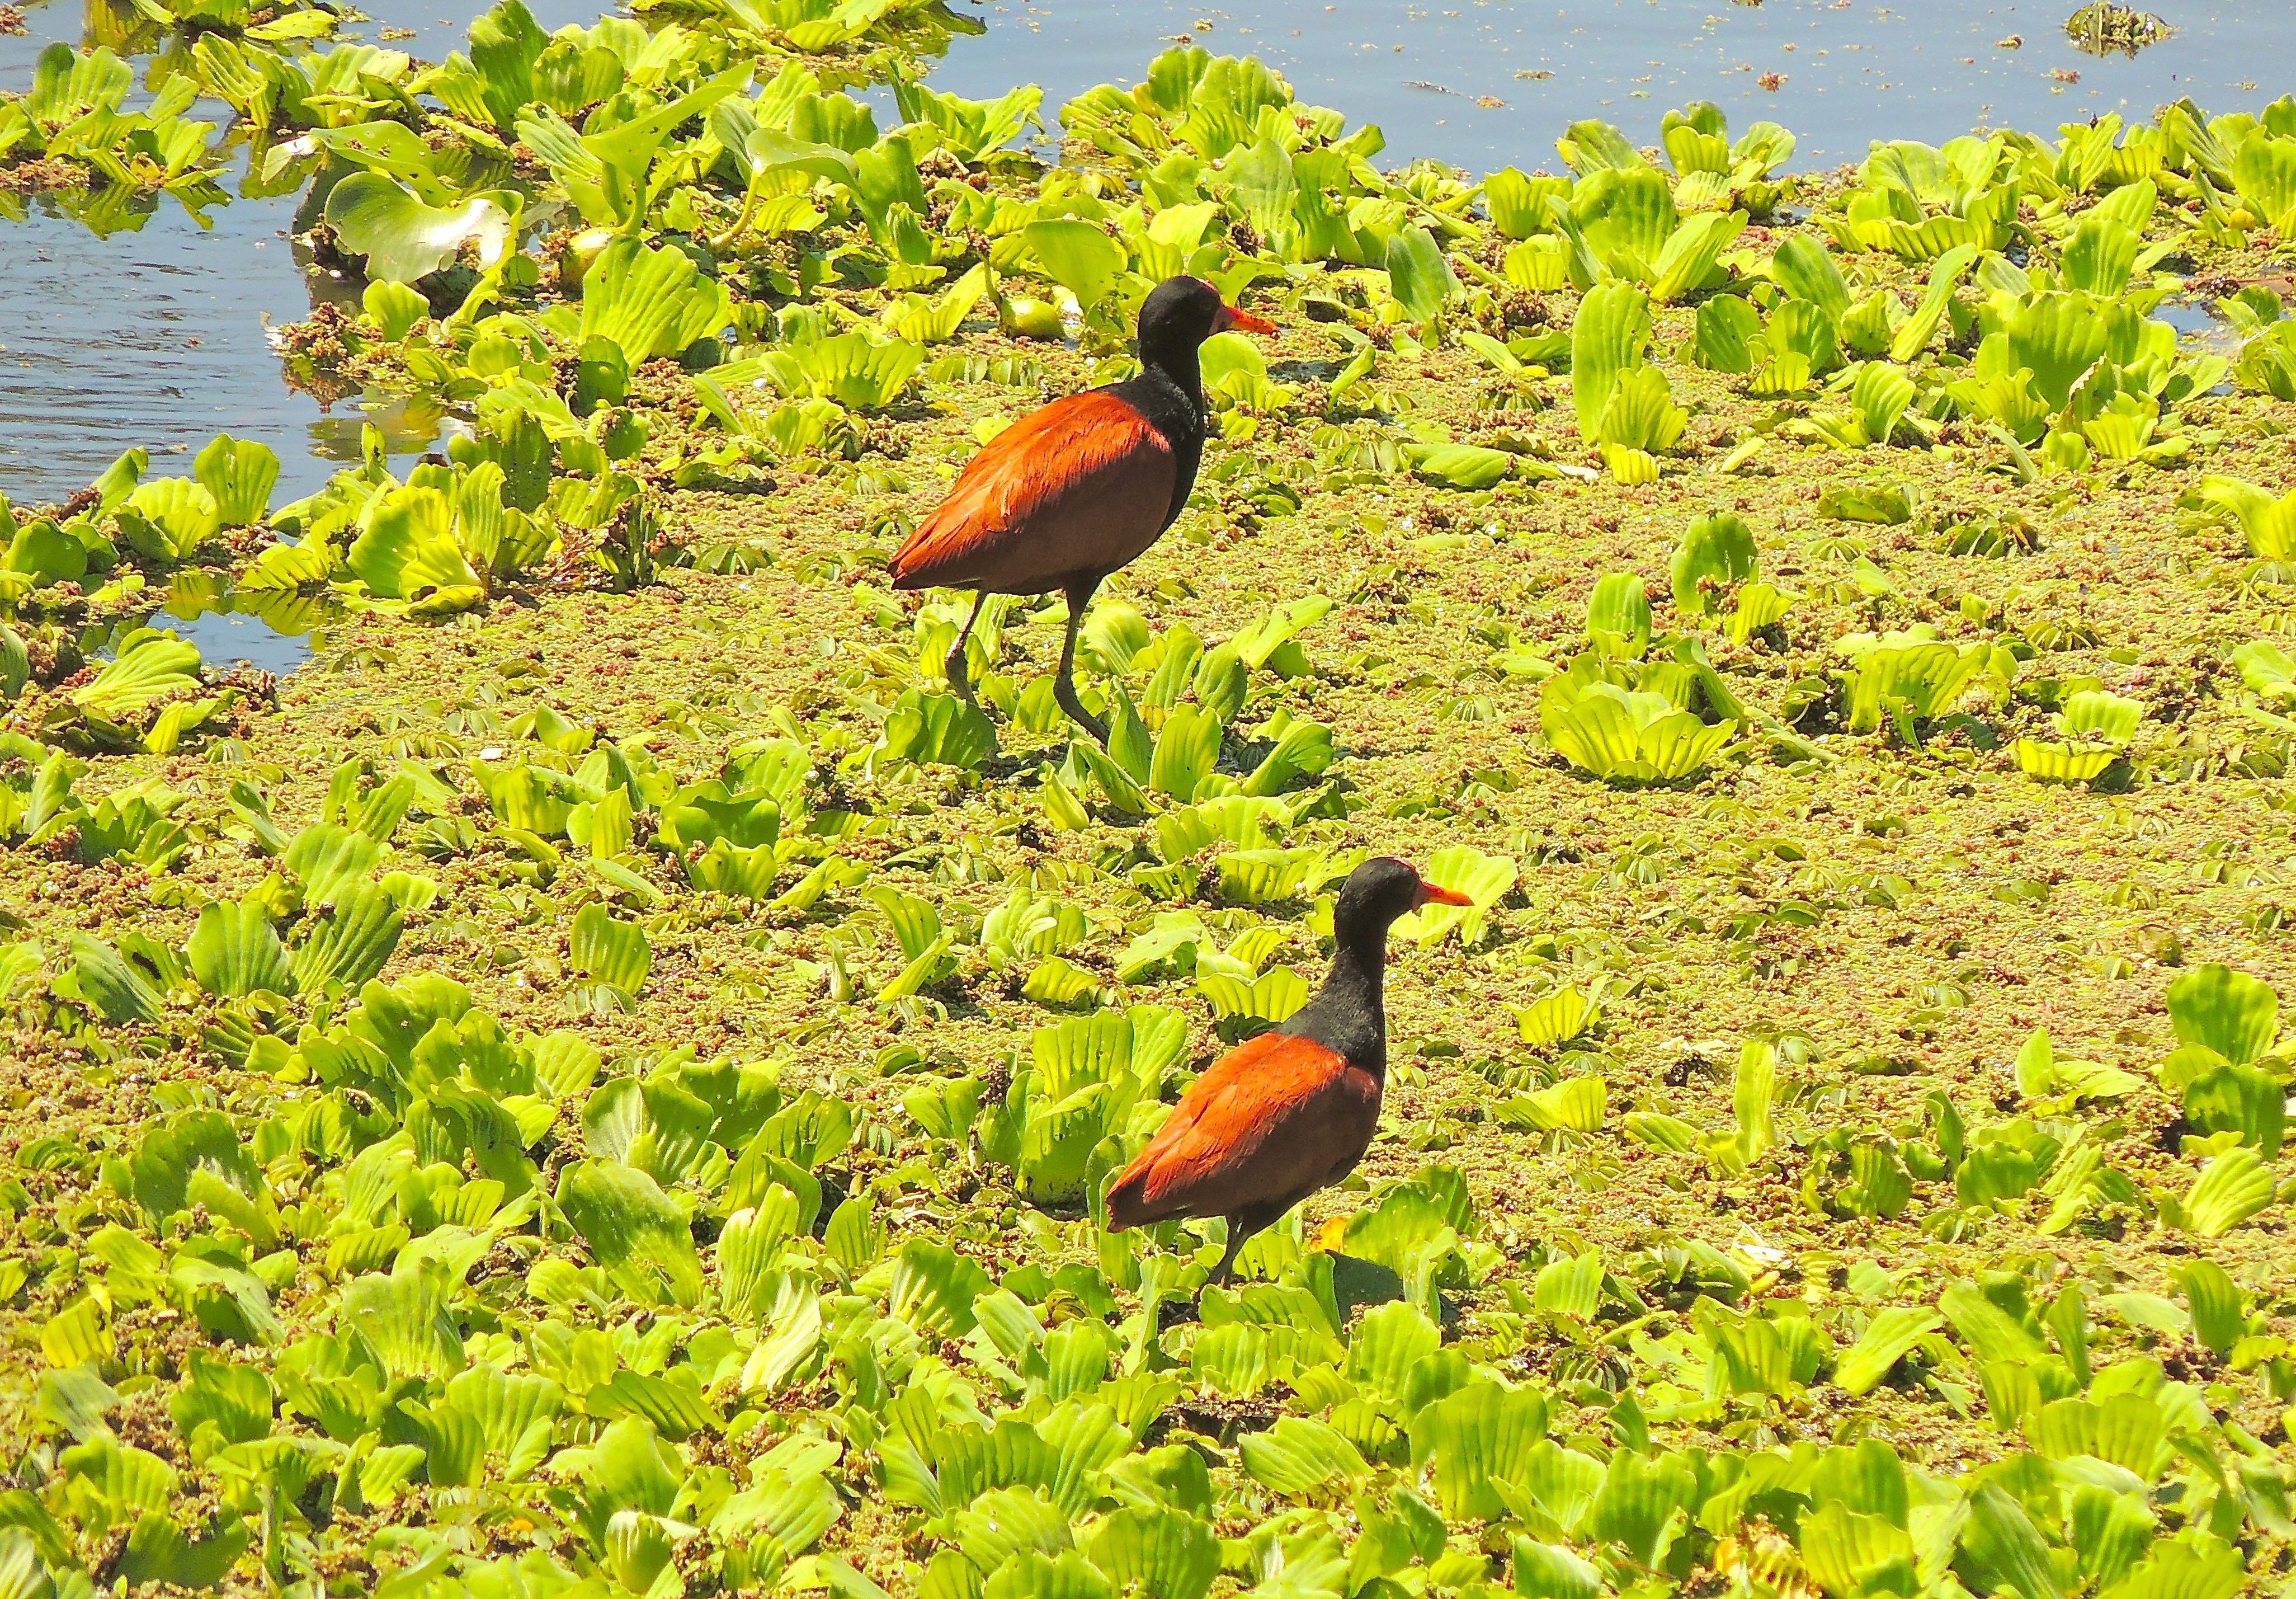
(1080, 487)
(1270, 1121)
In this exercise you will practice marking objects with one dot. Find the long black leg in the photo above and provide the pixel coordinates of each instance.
(1240, 1227)
(957, 678)
(1080, 595)
(1235, 1236)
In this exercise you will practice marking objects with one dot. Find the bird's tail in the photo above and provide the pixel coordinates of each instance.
(902, 568)
(936, 554)
(908, 566)
(1127, 1196)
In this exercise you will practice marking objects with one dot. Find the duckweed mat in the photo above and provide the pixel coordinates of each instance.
(601, 1083)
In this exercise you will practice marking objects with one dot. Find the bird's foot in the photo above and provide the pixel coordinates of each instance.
(1175, 1312)
(959, 681)
(1066, 694)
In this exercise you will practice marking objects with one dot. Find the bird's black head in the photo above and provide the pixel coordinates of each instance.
(1347, 1015)
(1379, 891)
(1179, 314)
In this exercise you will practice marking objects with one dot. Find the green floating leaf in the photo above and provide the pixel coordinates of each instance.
(408, 550)
(118, 990)
(2268, 669)
(1157, 1550)
(1716, 553)
(1078, 256)
(938, 729)
(1298, 1457)
(2000, 1540)
(402, 238)
(402, 1319)
(1388, 1344)
(2224, 1011)
(934, 1289)
(1887, 1340)
(2219, 1310)
(45, 553)
(78, 1335)
(1607, 338)
(1463, 465)
(2041, 1075)
(635, 1231)
(1618, 615)
(151, 666)
(1518, 203)
(2240, 1099)
(168, 518)
(1629, 736)
(613, 953)
(2233, 1187)
(1574, 1106)
(857, 371)
(1805, 270)
(1482, 1433)
(233, 951)
(157, 1551)
(2268, 524)
(240, 475)
(649, 302)
(2264, 176)
(2128, 1430)
(1636, 1507)
(1552, 1572)
(1559, 1018)
(1929, 676)
(1417, 274)
(1596, 146)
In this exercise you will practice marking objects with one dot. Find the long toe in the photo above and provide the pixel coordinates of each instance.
(1084, 719)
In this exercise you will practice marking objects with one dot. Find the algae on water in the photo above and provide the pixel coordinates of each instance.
(603, 1083)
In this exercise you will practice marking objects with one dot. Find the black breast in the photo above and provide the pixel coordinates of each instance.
(1176, 412)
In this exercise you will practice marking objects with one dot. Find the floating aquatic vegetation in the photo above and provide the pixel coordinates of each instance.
(74, 115)
(2094, 727)
(2103, 26)
(2268, 524)
(1625, 405)
(611, 1090)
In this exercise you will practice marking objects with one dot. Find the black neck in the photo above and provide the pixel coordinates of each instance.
(1175, 359)
(1169, 393)
(1349, 1014)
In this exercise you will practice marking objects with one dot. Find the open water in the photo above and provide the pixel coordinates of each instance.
(155, 334)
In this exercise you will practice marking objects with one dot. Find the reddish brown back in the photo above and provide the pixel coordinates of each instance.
(1268, 1124)
(1078, 488)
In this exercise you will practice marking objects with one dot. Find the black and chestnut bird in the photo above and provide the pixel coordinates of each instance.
(1074, 491)
(1293, 1110)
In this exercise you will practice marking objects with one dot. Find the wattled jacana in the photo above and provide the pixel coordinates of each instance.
(1073, 491)
(1293, 1110)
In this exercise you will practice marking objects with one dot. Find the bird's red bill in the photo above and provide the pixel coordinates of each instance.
(1244, 321)
(1430, 894)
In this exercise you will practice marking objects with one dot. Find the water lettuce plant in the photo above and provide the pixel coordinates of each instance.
(1625, 406)
(603, 1083)
(2094, 727)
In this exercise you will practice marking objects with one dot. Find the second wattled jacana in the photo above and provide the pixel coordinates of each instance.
(1073, 491)
(1292, 1111)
